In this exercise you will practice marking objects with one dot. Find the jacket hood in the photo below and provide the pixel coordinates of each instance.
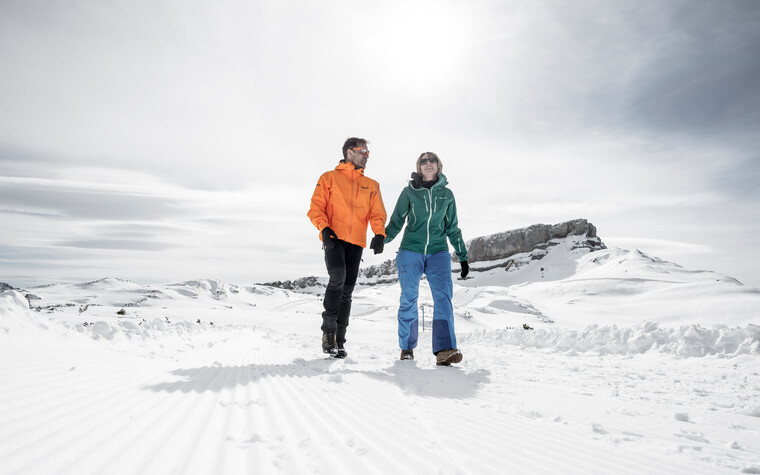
(348, 167)
(416, 181)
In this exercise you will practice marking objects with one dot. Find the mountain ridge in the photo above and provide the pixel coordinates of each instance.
(519, 246)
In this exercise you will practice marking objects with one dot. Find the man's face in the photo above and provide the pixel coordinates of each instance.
(358, 155)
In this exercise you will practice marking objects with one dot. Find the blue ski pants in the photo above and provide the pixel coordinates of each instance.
(437, 268)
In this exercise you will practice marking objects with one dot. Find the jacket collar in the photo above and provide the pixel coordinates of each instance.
(415, 185)
(348, 167)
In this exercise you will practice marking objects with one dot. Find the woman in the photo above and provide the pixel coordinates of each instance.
(430, 213)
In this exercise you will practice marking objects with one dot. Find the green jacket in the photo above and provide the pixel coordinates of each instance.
(430, 216)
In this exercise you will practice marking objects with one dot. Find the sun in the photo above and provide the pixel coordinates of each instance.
(419, 47)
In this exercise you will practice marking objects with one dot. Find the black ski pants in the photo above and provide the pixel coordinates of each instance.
(343, 267)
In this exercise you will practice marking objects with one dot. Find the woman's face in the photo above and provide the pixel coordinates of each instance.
(429, 167)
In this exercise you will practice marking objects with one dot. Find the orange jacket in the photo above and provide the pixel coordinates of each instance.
(346, 200)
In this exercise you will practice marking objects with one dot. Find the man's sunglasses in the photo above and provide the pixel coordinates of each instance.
(424, 161)
(363, 151)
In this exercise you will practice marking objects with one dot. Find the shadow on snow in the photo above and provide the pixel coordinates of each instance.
(441, 382)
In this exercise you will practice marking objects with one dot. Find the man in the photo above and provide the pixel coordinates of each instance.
(342, 205)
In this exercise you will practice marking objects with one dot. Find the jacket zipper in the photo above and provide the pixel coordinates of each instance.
(430, 216)
(351, 219)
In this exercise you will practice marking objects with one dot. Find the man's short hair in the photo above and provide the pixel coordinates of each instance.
(352, 142)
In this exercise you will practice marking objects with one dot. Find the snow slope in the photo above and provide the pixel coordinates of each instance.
(575, 288)
(634, 365)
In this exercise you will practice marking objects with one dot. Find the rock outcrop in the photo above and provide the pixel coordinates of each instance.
(297, 284)
(533, 239)
(508, 243)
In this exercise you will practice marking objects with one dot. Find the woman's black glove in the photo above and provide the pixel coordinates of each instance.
(328, 238)
(465, 269)
(378, 243)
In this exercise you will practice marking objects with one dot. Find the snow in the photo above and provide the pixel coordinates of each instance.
(580, 362)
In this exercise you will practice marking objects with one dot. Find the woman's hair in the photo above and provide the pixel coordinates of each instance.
(440, 164)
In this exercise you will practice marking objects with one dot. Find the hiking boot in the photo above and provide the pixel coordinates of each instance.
(328, 343)
(407, 354)
(341, 352)
(446, 357)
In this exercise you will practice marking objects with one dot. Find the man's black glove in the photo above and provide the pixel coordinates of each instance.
(378, 243)
(328, 238)
(465, 269)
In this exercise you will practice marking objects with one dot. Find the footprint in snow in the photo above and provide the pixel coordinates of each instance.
(241, 405)
(245, 443)
(359, 450)
(598, 428)
(696, 448)
(693, 436)
(681, 416)
(531, 414)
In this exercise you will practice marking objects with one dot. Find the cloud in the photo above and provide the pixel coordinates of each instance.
(120, 244)
(199, 130)
(703, 77)
(100, 221)
(660, 246)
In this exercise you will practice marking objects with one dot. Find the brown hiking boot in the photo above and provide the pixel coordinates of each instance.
(446, 357)
(328, 343)
(407, 354)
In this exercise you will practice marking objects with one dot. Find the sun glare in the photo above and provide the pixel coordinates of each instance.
(420, 48)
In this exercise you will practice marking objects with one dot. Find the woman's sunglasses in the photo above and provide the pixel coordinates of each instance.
(424, 161)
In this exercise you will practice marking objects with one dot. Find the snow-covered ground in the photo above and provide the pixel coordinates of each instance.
(632, 365)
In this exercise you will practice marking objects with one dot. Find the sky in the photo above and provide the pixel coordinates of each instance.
(161, 141)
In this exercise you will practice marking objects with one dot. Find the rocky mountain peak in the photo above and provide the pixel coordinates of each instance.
(532, 243)
(505, 244)
(4, 287)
